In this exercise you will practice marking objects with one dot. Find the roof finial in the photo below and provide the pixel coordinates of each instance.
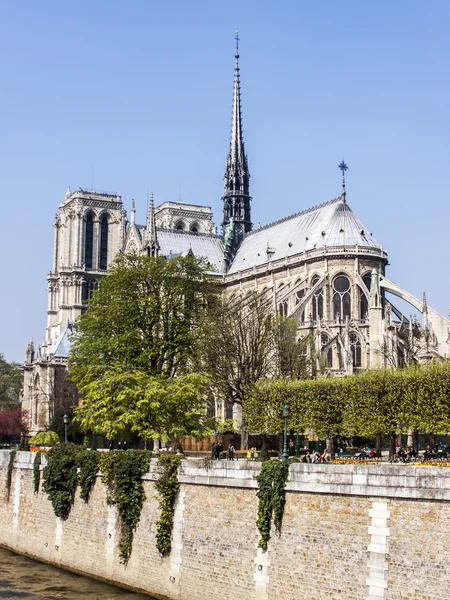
(237, 44)
(343, 167)
(133, 212)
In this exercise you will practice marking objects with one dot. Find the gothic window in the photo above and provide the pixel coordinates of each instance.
(179, 226)
(342, 303)
(36, 398)
(326, 352)
(88, 289)
(317, 301)
(103, 243)
(89, 241)
(298, 297)
(329, 361)
(194, 229)
(363, 303)
(283, 308)
(355, 347)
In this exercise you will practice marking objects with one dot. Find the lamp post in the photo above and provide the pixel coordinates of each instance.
(66, 422)
(286, 412)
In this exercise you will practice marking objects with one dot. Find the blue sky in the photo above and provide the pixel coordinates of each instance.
(132, 95)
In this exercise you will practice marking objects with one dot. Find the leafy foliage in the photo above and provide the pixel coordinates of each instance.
(122, 475)
(272, 498)
(61, 478)
(11, 381)
(37, 471)
(381, 401)
(12, 458)
(45, 438)
(168, 486)
(132, 403)
(88, 461)
(135, 350)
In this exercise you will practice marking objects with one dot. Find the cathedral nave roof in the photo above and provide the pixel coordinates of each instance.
(332, 224)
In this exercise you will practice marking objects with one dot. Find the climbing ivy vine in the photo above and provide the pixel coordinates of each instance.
(122, 476)
(12, 458)
(61, 478)
(37, 471)
(88, 461)
(168, 486)
(272, 498)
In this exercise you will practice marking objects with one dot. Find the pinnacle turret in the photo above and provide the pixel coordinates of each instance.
(151, 237)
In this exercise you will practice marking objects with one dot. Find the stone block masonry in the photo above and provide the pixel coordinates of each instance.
(349, 532)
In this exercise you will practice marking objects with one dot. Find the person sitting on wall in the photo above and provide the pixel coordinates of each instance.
(315, 457)
(213, 450)
(306, 458)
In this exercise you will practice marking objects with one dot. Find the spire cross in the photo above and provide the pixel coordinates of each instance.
(237, 43)
(343, 167)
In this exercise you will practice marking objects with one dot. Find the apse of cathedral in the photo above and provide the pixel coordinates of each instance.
(320, 266)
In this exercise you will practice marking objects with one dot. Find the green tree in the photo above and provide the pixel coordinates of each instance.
(134, 353)
(11, 381)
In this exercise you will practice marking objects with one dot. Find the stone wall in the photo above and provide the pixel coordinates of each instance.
(353, 532)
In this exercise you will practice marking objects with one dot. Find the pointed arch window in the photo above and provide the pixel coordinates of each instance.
(103, 262)
(298, 298)
(363, 303)
(342, 303)
(89, 241)
(317, 301)
(283, 308)
(327, 351)
(355, 348)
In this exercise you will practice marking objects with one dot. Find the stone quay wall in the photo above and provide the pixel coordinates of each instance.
(350, 532)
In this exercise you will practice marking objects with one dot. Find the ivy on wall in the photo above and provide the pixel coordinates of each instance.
(12, 458)
(271, 498)
(123, 473)
(89, 461)
(61, 478)
(167, 486)
(37, 471)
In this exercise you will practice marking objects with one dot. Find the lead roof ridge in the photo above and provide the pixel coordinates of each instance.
(297, 214)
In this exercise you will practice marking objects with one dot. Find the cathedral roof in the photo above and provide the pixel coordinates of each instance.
(61, 347)
(332, 224)
(209, 247)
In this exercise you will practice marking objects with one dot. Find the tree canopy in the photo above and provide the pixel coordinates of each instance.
(136, 346)
(247, 343)
(11, 381)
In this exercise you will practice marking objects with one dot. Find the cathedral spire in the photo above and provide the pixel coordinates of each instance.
(236, 199)
(151, 235)
(133, 212)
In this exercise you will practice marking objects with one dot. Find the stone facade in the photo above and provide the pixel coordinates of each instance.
(352, 532)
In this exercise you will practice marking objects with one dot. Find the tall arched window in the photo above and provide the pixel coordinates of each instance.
(283, 308)
(89, 241)
(355, 347)
(317, 301)
(103, 262)
(298, 298)
(363, 303)
(37, 384)
(327, 352)
(342, 303)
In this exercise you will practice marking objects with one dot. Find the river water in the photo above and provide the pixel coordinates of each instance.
(22, 578)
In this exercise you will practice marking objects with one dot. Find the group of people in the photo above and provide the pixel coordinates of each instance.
(217, 451)
(316, 457)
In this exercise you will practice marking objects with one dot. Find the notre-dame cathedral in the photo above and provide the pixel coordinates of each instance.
(320, 266)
